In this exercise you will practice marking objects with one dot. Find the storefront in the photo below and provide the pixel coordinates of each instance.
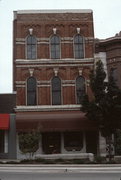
(62, 132)
(7, 126)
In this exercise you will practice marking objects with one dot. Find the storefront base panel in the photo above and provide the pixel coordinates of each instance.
(56, 145)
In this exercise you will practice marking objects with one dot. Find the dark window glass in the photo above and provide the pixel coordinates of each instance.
(1, 141)
(78, 47)
(73, 141)
(31, 91)
(55, 47)
(31, 47)
(114, 74)
(80, 89)
(56, 91)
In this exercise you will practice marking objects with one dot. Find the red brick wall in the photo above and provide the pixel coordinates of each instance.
(43, 25)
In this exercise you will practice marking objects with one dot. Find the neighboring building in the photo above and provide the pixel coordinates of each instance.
(7, 126)
(109, 50)
(53, 56)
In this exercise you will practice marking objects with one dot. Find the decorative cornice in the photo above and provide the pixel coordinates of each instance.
(56, 65)
(57, 61)
(54, 11)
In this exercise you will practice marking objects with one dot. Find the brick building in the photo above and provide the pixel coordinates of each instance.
(53, 55)
(109, 50)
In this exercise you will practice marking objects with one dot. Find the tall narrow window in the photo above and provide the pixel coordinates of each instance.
(114, 74)
(56, 91)
(31, 91)
(80, 89)
(55, 47)
(78, 46)
(31, 47)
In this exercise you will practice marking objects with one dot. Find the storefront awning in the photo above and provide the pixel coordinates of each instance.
(53, 121)
(4, 121)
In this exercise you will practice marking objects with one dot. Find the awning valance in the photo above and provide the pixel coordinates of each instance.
(53, 121)
(4, 121)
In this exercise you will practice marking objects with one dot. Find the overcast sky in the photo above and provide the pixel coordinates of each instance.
(107, 22)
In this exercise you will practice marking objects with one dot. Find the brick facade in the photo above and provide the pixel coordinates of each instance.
(66, 116)
(43, 67)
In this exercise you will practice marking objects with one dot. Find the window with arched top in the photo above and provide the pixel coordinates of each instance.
(31, 47)
(56, 91)
(55, 47)
(78, 46)
(80, 89)
(31, 91)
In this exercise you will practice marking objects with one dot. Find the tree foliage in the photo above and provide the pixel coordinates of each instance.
(29, 142)
(105, 109)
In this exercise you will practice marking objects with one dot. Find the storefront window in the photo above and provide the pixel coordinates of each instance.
(73, 141)
(1, 141)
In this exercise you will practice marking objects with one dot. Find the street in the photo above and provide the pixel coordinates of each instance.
(49, 172)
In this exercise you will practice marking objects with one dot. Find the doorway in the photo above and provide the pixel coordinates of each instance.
(92, 142)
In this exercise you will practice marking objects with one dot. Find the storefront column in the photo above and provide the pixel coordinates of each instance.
(62, 143)
(12, 138)
(84, 142)
(102, 145)
(40, 150)
(6, 142)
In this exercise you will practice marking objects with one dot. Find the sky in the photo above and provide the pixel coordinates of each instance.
(106, 15)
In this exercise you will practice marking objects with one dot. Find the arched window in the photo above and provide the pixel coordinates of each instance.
(56, 91)
(31, 47)
(31, 91)
(55, 47)
(80, 89)
(78, 47)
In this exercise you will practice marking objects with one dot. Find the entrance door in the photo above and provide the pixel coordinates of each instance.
(91, 142)
(1, 141)
(51, 142)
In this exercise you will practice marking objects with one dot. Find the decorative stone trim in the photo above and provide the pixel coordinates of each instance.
(66, 85)
(44, 85)
(55, 65)
(22, 43)
(20, 39)
(57, 61)
(88, 82)
(67, 39)
(48, 108)
(20, 82)
(68, 81)
(80, 72)
(31, 71)
(78, 30)
(54, 30)
(43, 82)
(31, 31)
(55, 71)
(20, 86)
(54, 11)
(42, 42)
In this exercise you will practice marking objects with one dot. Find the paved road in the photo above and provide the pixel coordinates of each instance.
(15, 172)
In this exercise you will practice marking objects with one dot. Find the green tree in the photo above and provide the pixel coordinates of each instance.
(105, 108)
(29, 142)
